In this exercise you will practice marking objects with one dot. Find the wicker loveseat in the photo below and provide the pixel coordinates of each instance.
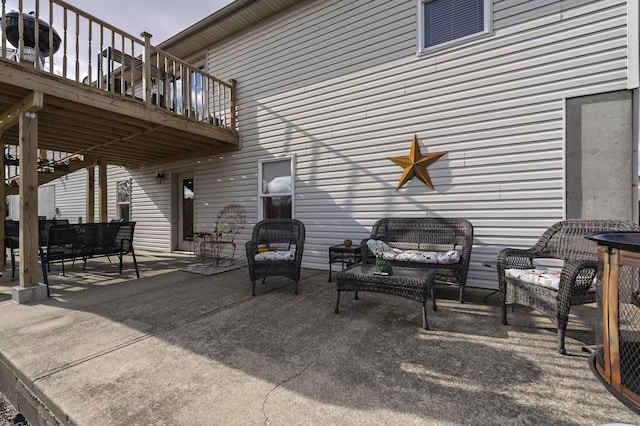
(439, 243)
(552, 291)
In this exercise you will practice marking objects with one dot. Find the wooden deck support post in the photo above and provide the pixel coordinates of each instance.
(3, 208)
(29, 288)
(90, 206)
(102, 190)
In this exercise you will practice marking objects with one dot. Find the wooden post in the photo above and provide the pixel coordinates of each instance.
(233, 104)
(90, 206)
(146, 68)
(3, 207)
(102, 190)
(23, 114)
(28, 154)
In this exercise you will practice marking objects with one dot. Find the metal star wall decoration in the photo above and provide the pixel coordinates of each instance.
(416, 164)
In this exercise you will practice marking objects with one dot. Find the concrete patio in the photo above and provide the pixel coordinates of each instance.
(178, 348)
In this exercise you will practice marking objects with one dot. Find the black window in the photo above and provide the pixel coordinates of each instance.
(448, 20)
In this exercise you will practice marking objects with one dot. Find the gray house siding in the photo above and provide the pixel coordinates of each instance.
(339, 85)
(150, 204)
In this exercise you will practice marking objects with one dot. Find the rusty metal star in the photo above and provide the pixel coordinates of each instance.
(416, 164)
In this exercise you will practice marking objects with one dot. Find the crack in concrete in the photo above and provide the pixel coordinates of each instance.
(145, 336)
(141, 338)
(295, 376)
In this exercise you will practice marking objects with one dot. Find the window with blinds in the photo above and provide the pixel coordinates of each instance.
(445, 21)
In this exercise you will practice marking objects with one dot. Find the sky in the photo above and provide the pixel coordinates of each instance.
(160, 18)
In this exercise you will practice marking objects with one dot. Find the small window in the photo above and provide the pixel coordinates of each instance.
(276, 189)
(123, 193)
(446, 21)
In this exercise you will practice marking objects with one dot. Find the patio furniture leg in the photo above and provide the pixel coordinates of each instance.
(295, 287)
(13, 264)
(253, 291)
(425, 324)
(203, 250)
(433, 296)
(561, 348)
(504, 314)
(135, 262)
(337, 310)
(462, 293)
(563, 320)
(356, 296)
(45, 278)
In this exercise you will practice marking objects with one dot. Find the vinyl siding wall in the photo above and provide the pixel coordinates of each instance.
(339, 85)
(150, 204)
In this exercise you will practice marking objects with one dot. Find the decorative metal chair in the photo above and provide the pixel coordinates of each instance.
(229, 223)
(554, 292)
(275, 249)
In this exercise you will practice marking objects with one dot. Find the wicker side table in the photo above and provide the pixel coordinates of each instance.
(411, 283)
(347, 256)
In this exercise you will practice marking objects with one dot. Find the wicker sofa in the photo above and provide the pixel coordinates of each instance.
(439, 243)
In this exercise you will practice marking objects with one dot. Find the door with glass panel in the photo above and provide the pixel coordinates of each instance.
(185, 209)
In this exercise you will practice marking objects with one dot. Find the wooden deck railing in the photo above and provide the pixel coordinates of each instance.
(60, 39)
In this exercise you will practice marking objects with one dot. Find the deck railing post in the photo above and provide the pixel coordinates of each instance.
(146, 68)
(3, 30)
(233, 104)
(20, 32)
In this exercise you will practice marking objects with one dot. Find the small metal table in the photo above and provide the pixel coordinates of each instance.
(347, 256)
(412, 283)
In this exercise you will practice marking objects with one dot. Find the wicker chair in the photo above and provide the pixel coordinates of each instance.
(285, 235)
(564, 241)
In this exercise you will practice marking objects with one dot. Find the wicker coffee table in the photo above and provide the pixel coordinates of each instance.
(412, 283)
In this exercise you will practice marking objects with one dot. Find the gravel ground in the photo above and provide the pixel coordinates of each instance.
(9, 416)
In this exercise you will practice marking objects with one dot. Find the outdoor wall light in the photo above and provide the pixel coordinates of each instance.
(159, 177)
